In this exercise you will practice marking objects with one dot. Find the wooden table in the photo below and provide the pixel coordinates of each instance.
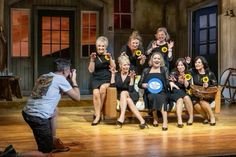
(9, 86)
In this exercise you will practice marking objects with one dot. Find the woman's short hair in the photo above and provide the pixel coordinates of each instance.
(152, 56)
(135, 35)
(61, 64)
(123, 59)
(204, 62)
(183, 61)
(163, 29)
(102, 39)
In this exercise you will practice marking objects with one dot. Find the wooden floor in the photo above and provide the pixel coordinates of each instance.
(107, 140)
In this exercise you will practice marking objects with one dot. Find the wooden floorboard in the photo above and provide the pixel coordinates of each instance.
(107, 140)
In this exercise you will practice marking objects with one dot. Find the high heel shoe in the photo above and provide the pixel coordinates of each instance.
(96, 123)
(180, 125)
(205, 121)
(119, 124)
(212, 124)
(142, 126)
(189, 123)
(164, 129)
(155, 125)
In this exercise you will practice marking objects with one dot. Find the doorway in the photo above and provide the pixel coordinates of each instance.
(204, 36)
(55, 38)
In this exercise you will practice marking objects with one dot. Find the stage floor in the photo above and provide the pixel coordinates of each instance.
(105, 139)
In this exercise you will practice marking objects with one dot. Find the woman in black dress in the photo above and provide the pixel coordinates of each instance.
(101, 76)
(161, 44)
(157, 101)
(202, 76)
(128, 96)
(134, 50)
(181, 78)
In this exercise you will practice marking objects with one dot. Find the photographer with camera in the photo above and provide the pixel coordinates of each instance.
(41, 108)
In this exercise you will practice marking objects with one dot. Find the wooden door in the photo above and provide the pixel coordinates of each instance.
(56, 37)
(205, 38)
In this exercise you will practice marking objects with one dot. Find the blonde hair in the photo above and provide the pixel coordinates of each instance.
(163, 29)
(135, 35)
(122, 59)
(152, 56)
(102, 39)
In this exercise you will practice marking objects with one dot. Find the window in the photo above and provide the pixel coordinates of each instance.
(55, 35)
(122, 14)
(20, 32)
(89, 32)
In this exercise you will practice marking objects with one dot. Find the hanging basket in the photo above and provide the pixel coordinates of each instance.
(204, 93)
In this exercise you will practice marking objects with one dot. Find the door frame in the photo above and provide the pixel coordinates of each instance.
(36, 35)
(191, 10)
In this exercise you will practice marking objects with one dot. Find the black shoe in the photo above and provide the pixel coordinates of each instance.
(180, 125)
(8, 152)
(142, 126)
(189, 123)
(119, 124)
(95, 123)
(205, 121)
(212, 124)
(164, 129)
(155, 125)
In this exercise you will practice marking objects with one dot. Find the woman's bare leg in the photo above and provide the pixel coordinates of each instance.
(189, 106)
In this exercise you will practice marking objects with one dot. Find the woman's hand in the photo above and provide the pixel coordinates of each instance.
(142, 59)
(155, 44)
(112, 69)
(93, 56)
(145, 85)
(132, 74)
(173, 85)
(188, 59)
(172, 78)
(205, 85)
(170, 44)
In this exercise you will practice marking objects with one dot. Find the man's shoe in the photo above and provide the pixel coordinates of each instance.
(8, 152)
(58, 146)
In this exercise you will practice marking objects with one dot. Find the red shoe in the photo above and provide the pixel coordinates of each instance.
(58, 146)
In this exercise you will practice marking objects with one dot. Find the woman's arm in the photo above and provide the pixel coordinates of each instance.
(91, 66)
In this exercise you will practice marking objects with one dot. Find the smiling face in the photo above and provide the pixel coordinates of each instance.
(156, 60)
(180, 67)
(198, 64)
(124, 67)
(161, 36)
(134, 44)
(101, 48)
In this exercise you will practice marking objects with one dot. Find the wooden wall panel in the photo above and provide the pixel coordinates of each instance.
(227, 36)
(23, 68)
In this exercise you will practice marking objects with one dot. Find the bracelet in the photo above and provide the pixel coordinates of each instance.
(75, 86)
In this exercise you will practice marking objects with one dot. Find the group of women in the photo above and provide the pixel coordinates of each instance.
(160, 88)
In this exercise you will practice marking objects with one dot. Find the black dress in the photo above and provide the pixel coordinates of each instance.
(163, 49)
(124, 86)
(198, 80)
(175, 94)
(159, 100)
(101, 73)
(134, 61)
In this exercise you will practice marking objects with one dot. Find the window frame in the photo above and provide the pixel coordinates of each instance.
(52, 43)
(29, 32)
(124, 13)
(81, 30)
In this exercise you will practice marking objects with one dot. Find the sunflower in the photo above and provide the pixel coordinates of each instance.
(138, 53)
(205, 79)
(189, 91)
(187, 77)
(164, 49)
(107, 57)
